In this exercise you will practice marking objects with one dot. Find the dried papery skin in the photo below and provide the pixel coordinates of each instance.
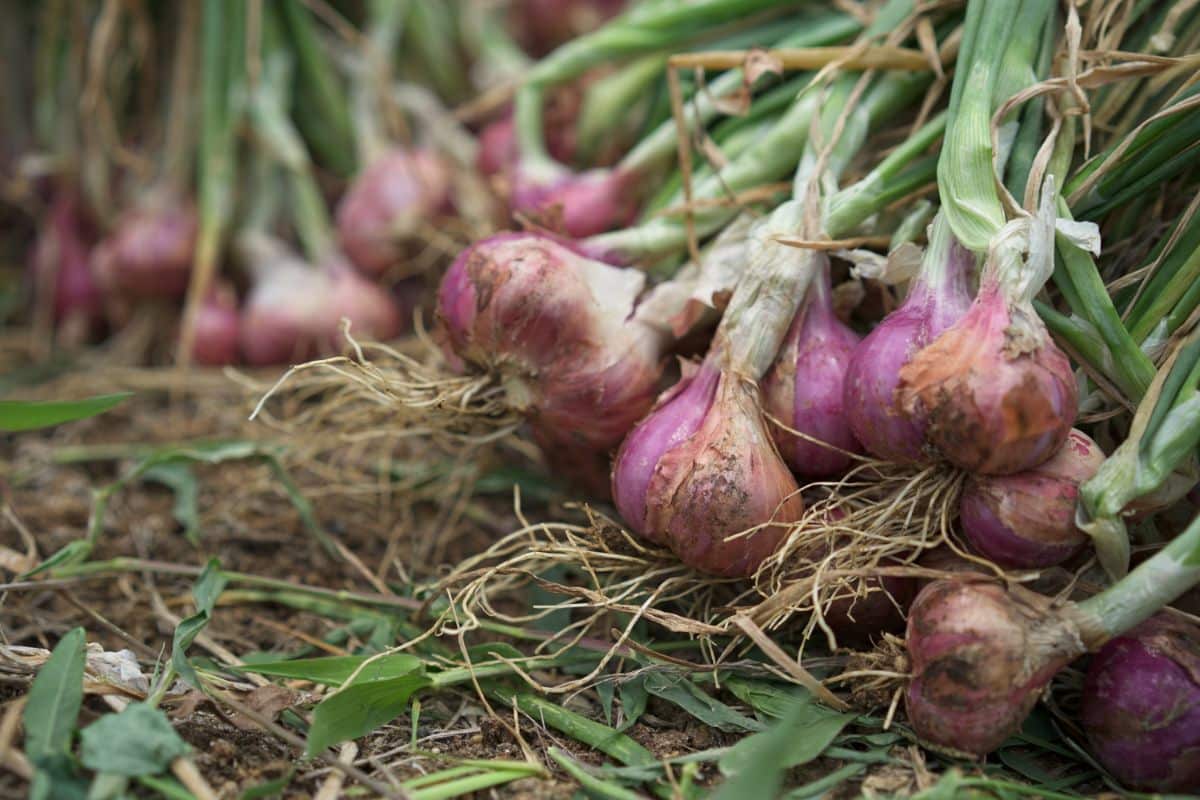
(556, 329)
(386, 205)
(151, 249)
(874, 371)
(726, 479)
(805, 387)
(676, 417)
(1027, 520)
(980, 656)
(998, 394)
(1141, 706)
(217, 328)
(576, 204)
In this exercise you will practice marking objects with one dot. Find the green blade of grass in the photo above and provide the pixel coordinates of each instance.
(16, 416)
(335, 670)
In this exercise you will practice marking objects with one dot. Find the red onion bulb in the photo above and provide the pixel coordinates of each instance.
(217, 327)
(937, 298)
(151, 249)
(558, 330)
(385, 204)
(1141, 706)
(805, 386)
(576, 204)
(61, 253)
(701, 468)
(980, 657)
(1027, 520)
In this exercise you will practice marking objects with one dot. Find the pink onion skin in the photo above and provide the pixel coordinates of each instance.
(874, 372)
(151, 250)
(978, 662)
(995, 405)
(385, 203)
(726, 478)
(577, 204)
(676, 417)
(61, 253)
(1027, 520)
(217, 328)
(498, 150)
(805, 388)
(556, 327)
(1141, 706)
(294, 312)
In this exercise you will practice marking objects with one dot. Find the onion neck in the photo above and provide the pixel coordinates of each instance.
(1151, 585)
(945, 267)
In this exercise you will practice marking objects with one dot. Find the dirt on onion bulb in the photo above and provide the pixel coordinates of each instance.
(998, 395)
(559, 332)
(1141, 706)
(701, 468)
(805, 386)
(151, 249)
(937, 298)
(386, 204)
(1027, 520)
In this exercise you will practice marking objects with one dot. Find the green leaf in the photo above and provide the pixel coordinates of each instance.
(756, 765)
(360, 708)
(633, 701)
(68, 555)
(169, 788)
(17, 415)
(54, 700)
(335, 670)
(208, 588)
(179, 478)
(679, 690)
(769, 699)
(138, 741)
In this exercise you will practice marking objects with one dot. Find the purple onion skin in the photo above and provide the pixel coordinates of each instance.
(874, 372)
(806, 385)
(1141, 706)
(860, 620)
(151, 250)
(676, 418)
(976, 668)
(63, 249)
(389, 198)
(1027, 520)
(217, 328)
(578, 205)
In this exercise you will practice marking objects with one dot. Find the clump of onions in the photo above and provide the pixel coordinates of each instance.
(998, 395)
(702, 467)
(937, 298)
(62, 271)
(1141, 706)
(559, 331)
(387, 202)
(294, 310)
(805, 386)
(217, 327)
(576, 204)
(150, 250)
(1027, 520)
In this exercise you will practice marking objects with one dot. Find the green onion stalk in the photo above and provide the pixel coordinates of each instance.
(1155, 465)
(597, 200)
(1169, 296)
(222, 79)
